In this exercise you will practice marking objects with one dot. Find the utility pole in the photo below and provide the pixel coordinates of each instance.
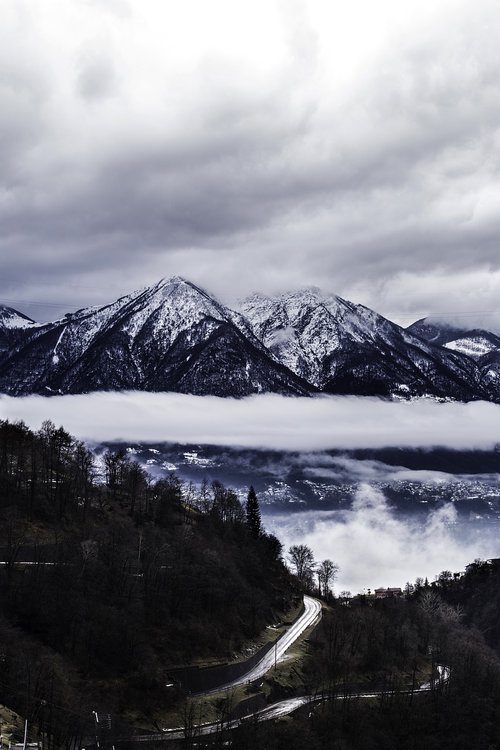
(96, 722)
(25, 734)
(140, 546)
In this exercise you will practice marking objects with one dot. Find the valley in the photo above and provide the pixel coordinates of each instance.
(408, 512)
(413, 480)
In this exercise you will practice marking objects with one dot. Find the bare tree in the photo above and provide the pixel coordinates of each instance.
(302, 559)
(326, 571)
(429, 603)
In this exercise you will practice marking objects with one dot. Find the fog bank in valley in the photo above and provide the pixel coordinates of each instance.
(374, 546)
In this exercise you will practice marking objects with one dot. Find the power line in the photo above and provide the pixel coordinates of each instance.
(409, 316)
(39, 304)
(446, 313)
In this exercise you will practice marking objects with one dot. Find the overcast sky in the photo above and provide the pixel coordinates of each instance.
(263, 145)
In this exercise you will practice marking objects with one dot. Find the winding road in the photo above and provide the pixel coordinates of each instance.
(310, 616)
(284, 708)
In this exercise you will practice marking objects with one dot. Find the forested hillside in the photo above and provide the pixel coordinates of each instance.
(106, 584)
(386, 649)
(109, 580)
(476, 594)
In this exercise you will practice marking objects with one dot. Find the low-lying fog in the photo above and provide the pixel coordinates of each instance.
(375, 546)
(373, 543)
(266, 421)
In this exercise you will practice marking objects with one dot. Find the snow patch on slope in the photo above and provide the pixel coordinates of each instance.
(472, 347)
(10, 318)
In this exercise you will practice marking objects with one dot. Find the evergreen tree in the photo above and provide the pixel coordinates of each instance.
(252, 511)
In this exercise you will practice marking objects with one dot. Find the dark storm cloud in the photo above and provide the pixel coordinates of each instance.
(242, 180)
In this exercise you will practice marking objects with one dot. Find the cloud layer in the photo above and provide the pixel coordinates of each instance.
(373, 545)
(267, 421)
(376, 547)
(263, 145)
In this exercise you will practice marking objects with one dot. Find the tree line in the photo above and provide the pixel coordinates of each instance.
(389, 647)
(307, 570)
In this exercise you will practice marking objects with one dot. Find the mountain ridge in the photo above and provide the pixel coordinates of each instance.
(348, 348)
(478, 344)
(175, 336)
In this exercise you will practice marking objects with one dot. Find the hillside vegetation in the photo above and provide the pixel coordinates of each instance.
(110, 579)
(389, 647)
(127, 577)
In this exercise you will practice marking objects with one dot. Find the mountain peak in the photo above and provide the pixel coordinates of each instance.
(476, 343)
(172, 281)
(10, 318)
(180, 285)
(310, 291)
(173, 335)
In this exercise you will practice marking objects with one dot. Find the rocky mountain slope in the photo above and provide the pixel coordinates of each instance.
(173, 336)
(169, 337)
(345, 348)
(13, 324)
(477, 343)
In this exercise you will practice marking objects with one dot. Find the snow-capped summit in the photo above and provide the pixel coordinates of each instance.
(10, 318)
(478, 344)
(343, 347)
(12, 327)
(300, 328)
(170, 336)
(175, 336)
(474, 342)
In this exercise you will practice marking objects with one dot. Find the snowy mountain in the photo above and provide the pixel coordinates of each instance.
(10, 318)
(173, 336)
(345, 348)
(169, 337)
(474, 342)
(479, 344)
(12, 324)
